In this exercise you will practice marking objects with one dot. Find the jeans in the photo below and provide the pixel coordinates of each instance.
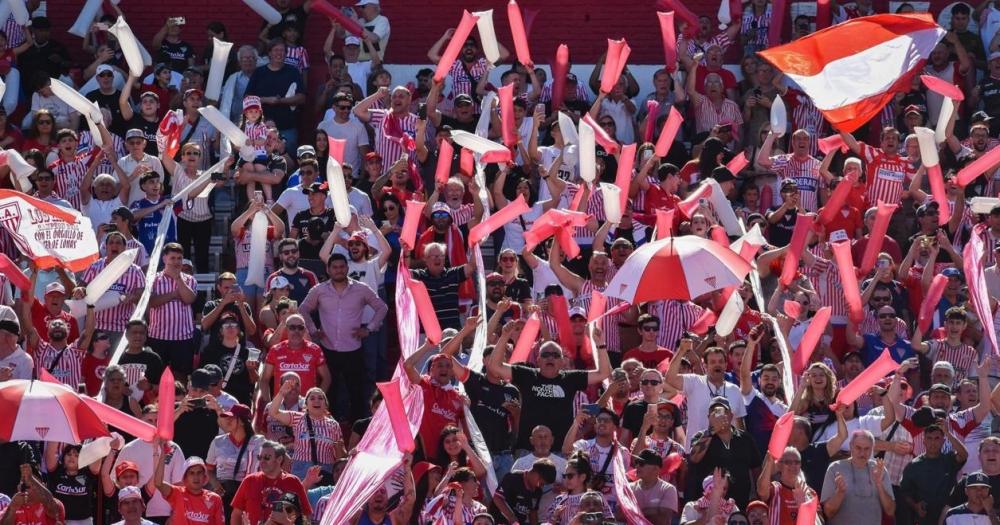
(345, 369)
(196, 237)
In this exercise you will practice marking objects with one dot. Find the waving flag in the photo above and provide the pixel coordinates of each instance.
(51, 235)
(168, 134)
(853, 69)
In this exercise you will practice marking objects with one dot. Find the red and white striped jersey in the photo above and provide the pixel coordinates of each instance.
(64, 366)
(707, 115)
(461, 84)
(441, 511)
(104, 165)
(887, 175)
(69, 176)
(385, 145)
(581, 93)
(609, 323)
(15, 33)
(141, 257)
(805, 173)
(675, 319)
(461, 215)
(172, 321)
(963, 357)
(257, 133)
(326, 432)
(825, 280)
(116, 318)
(595, 208)
(297, 56)
(693, 47)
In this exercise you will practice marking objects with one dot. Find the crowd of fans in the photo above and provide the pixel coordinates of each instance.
(276, 383)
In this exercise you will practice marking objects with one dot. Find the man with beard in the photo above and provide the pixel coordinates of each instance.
(889, 173)
(763, 406)
(887, 338)
(58, 355)
(701, 389)
(988, 90)
(721, 445)
(300, 279)
(340, 302)
(989, 458)
(317, 195)
(496, 292)
(548, 392)
(463, 115)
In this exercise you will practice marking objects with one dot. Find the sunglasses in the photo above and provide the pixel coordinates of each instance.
(440, 215)
(295, 327)
(230, 325)
(650, 382)
(550, 355)
(344, 108)
(650, 328)
(193, 153)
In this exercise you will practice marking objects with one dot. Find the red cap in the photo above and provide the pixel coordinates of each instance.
(124, 466)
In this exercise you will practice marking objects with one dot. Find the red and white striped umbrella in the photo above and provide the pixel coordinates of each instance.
(677, 268)
(42, 411)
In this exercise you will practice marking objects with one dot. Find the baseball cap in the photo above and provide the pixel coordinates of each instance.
(463, 99)
(371, 156)
(55, 287)
(719, 401)
(239, 411)
(305, 150)
(193, 461)
(192, 92)
(250, 102)
(8, 320)
(577, 311)
(130, 492)
(756, 504)
(648, 457)
(122, 212)
(939, 387)
(41, 22)
(280, 281)
(124, 467)
(494, 276)
(362, 3)
(201, 379)
(134, 133)
(722, 174)
(994, 55)
(104, 68)
(360, 235)
(980, 116)
(951, 272)
(149, 94)
(316, 187)
(944, 365)
(440, 207)
(977, 479)
(912, 108)
(924, 209)
(214, 371)
(788, 183)
(352, 41)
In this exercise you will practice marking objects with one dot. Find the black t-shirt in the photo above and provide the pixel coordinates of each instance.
(176, 55)
(815, 460)
(50, 59)
(487, 407)
(780, 233)
(443, 291)
(110, 103)
(739, 458)
(215, 331)
(361, 426)
(219, 354)
(518, 290)
(75, 492)
(610, 164)
(546, 401)
(195, 430)
(149, 361)
(633, 415)
(295, 16)
(148, 129)
(447, 120)
(518, 497)
(302, 218)
(309, 250)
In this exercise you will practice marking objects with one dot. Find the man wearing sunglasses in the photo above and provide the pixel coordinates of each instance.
(258, 491)
(871, 344)
(350, 130)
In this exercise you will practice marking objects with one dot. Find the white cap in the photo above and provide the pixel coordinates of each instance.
(104, 68)
(945, 365)
(8, 320)
(577, 310)
(352, 41)
(279, 281)
(362, 3)
(55, 287)
(130, 492)
(193, 461)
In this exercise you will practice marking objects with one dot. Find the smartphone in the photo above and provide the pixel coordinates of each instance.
(592, 518)
(618, 375)
(591, 409)
(178, 20)
(278, 506)
(217, 176)
(198, 403)
(110, 227)
(422, 111)
(258, 196)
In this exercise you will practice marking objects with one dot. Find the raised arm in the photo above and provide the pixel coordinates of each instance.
(602, 366)
(362, 109)
(566, 277)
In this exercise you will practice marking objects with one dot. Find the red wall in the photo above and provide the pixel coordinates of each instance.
(582, 24)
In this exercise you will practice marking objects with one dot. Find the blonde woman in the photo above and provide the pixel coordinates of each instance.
(317, 436)
(815, 394)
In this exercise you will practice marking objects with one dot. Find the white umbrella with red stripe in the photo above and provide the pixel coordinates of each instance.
(677, 268)
(43, 411)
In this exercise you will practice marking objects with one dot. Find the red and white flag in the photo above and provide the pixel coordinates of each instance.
(168, 133)
(853, 69)
(51, 235)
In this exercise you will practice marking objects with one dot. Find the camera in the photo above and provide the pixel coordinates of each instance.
(198, 403)
(217, 176)
(178, 20)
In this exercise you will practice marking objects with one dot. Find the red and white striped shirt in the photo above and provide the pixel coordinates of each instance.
(461, 215)
(441, 511)
(14, 31)
(963, 357)
(172, 321)
(807, 116)
(64, 366)
(595, 208)
(707, 115)
(297, 56)
(69, 176)
(116, 318)
(825, 280)
(389, 148)
(581, 93)
(104, 165)
(141, 257)
(675, 319)
(805, 173)
(693, 46)
(461, 84)
(256, 133)
(609, 323)
(326, 433)
(887, 174)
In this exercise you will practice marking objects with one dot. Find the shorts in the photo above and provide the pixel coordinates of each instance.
(249, 290)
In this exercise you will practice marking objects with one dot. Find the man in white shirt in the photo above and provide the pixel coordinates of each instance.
(293, 200)
(700, 389)
(137, 163)
(344, 127)
(376, 27)
(541, 448)
(14, 362)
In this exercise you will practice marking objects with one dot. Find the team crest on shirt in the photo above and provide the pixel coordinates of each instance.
(307, 357)
(42, 431)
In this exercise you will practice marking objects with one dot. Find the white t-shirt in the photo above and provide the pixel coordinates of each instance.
(624, 121)
(99, 212)
(20, 362)
(567, 171)
(128, 163)
(699, 394)
(542, 276)
(359, 72)
(293, 201)
(524, 463)
(141, 453)
(660, 495)
(353, 132)
(514, 230)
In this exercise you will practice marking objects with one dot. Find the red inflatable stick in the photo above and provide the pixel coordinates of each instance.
(936, 179)
(807, 510)
(929, 306)
(611, 60)
(165, 401)
(336, 148)
(667, 134)
(669, 39)
(507, 115)
(14, 274)
(508, 213)
(467, 162)
(792, 308)
(822, 14)
(943, 87)
(520, 35)
(652, 109)
(623, 177)
(864, 381)
(458, 39)
(848, 279)
(817, 326)
(601, 136)
(978, 167)
(425, 311)
(408, 234)
(446, 152)
(664, 223)
(778, 8)
(559, 71)
(560, 311)
(779, 436)
(349, 24)
(828, 144)
(803, 224)
(836, 202)
(882, 215)
(598, 303)
(392, 398)
(526, 340)
(737, 163)
(690, 19)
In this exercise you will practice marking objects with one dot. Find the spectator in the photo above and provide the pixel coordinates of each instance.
(295, 199)
(656, 498)
(129, 286)
(390, 124)
(921, 488)
(978, 491)
(317, 436)
(519, 492)
(723, 445)
(274, 83)
(192, 494)
(299, 280)
(342, 127)
(234, 89)
(541, 448)
(173, 51)
(844, 500)
(171, 333)
(376, 29)
(296, 354)
(259, 491)
(46, 56)
(231, 453)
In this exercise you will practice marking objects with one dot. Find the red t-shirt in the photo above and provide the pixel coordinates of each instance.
(649, 359)
(257, 492)
(303, 361)
(191, 509)
(34, 514)
(40, 319)
(442, 407)
(92, 370)
(848, 219)
(658, 199)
